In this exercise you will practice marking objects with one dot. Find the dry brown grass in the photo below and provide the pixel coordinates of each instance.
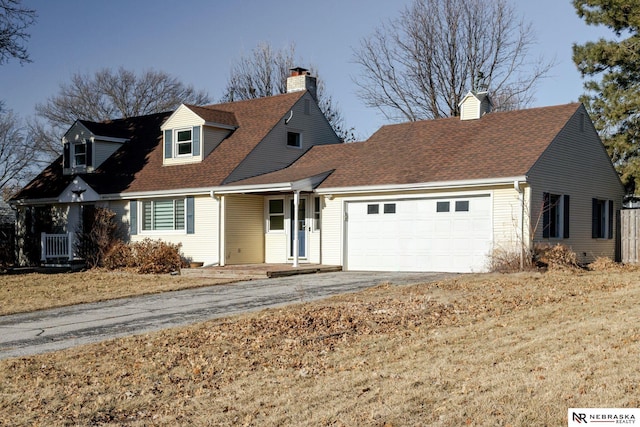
(29, 292)
(478, 350)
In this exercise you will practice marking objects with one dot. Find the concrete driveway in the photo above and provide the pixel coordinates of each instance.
(55, 329)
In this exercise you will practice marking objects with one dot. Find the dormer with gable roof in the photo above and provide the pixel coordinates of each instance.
(191, 133)
(86, 145)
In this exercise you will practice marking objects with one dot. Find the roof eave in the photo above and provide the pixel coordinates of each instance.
(437, 185)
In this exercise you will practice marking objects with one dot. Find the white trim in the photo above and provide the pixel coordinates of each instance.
(421, 186)
(177, 143)
(220, 125)
(95, 138)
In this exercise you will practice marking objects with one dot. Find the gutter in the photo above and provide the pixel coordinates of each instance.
(422, 186)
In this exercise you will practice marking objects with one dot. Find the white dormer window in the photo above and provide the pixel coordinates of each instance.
(182, 145)
(184, 142)
(79, 154)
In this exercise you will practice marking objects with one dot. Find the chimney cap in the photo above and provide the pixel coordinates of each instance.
(298, 71)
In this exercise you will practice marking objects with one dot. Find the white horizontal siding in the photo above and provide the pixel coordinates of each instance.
(202, 246)
(244, 230)
(331, 231)
(577, 164)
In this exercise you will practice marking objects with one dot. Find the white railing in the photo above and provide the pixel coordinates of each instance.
(56, 246)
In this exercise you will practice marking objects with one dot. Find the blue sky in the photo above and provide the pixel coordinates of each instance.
(198, 41)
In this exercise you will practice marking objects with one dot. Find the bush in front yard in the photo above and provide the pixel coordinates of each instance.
(146, 257)
(557, 257)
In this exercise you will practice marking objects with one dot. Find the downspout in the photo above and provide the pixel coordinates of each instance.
(221, 231)
(294, 229)
(516, 186)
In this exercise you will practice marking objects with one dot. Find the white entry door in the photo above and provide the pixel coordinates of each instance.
(448, 235)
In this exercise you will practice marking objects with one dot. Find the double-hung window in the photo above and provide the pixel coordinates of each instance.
(80, 154)
(163, 215)
(601, 219)
(276, 215)
(184, 142)
(555, 216)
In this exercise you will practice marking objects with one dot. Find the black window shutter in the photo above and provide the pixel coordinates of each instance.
(89, 153)
(610, 231)
(66, 154)
(545, 215)
(595, 218)
(565, 228)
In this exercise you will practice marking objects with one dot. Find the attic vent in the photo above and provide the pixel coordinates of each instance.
(474, 105)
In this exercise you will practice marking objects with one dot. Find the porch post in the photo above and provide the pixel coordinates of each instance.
(43, 246)
(296, 243)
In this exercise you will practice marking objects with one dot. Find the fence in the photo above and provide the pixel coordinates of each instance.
(630, 235)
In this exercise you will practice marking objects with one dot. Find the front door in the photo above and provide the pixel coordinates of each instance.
(300, 228)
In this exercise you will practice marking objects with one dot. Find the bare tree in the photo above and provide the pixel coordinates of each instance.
(18, 155)
(14, 21)
(420, 65)
(109, 94)
(264, 73)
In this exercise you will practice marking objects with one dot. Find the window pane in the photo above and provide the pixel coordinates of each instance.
(293, 139)
(163, 215)
(442, 207)
(147, 223)
(462, 206)
(373, 209)
(80, 154)
(184, 148)
(276, 222)
(276, 206)
(184, 135)
(316, 213)
(179, 214)
(389, 208)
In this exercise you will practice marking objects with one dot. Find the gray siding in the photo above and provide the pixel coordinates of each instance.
(102, 150)
(273, 153)
(576, 164)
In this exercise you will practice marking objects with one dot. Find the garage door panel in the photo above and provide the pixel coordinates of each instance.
(417, 237)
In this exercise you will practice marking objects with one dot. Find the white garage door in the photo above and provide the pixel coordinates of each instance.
(452, 235)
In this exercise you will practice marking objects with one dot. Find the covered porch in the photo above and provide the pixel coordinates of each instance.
(277, 223)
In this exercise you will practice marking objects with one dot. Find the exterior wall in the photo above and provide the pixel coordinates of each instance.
(273, 153)
(77, 132)
(244, 229)
(202, 246)
(102, 150)
(332, 231)
(212, 138)
(183, 117)
(577, 164)
(511, 219)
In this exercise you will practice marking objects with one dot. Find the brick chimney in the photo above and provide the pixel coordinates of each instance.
(301, 79)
